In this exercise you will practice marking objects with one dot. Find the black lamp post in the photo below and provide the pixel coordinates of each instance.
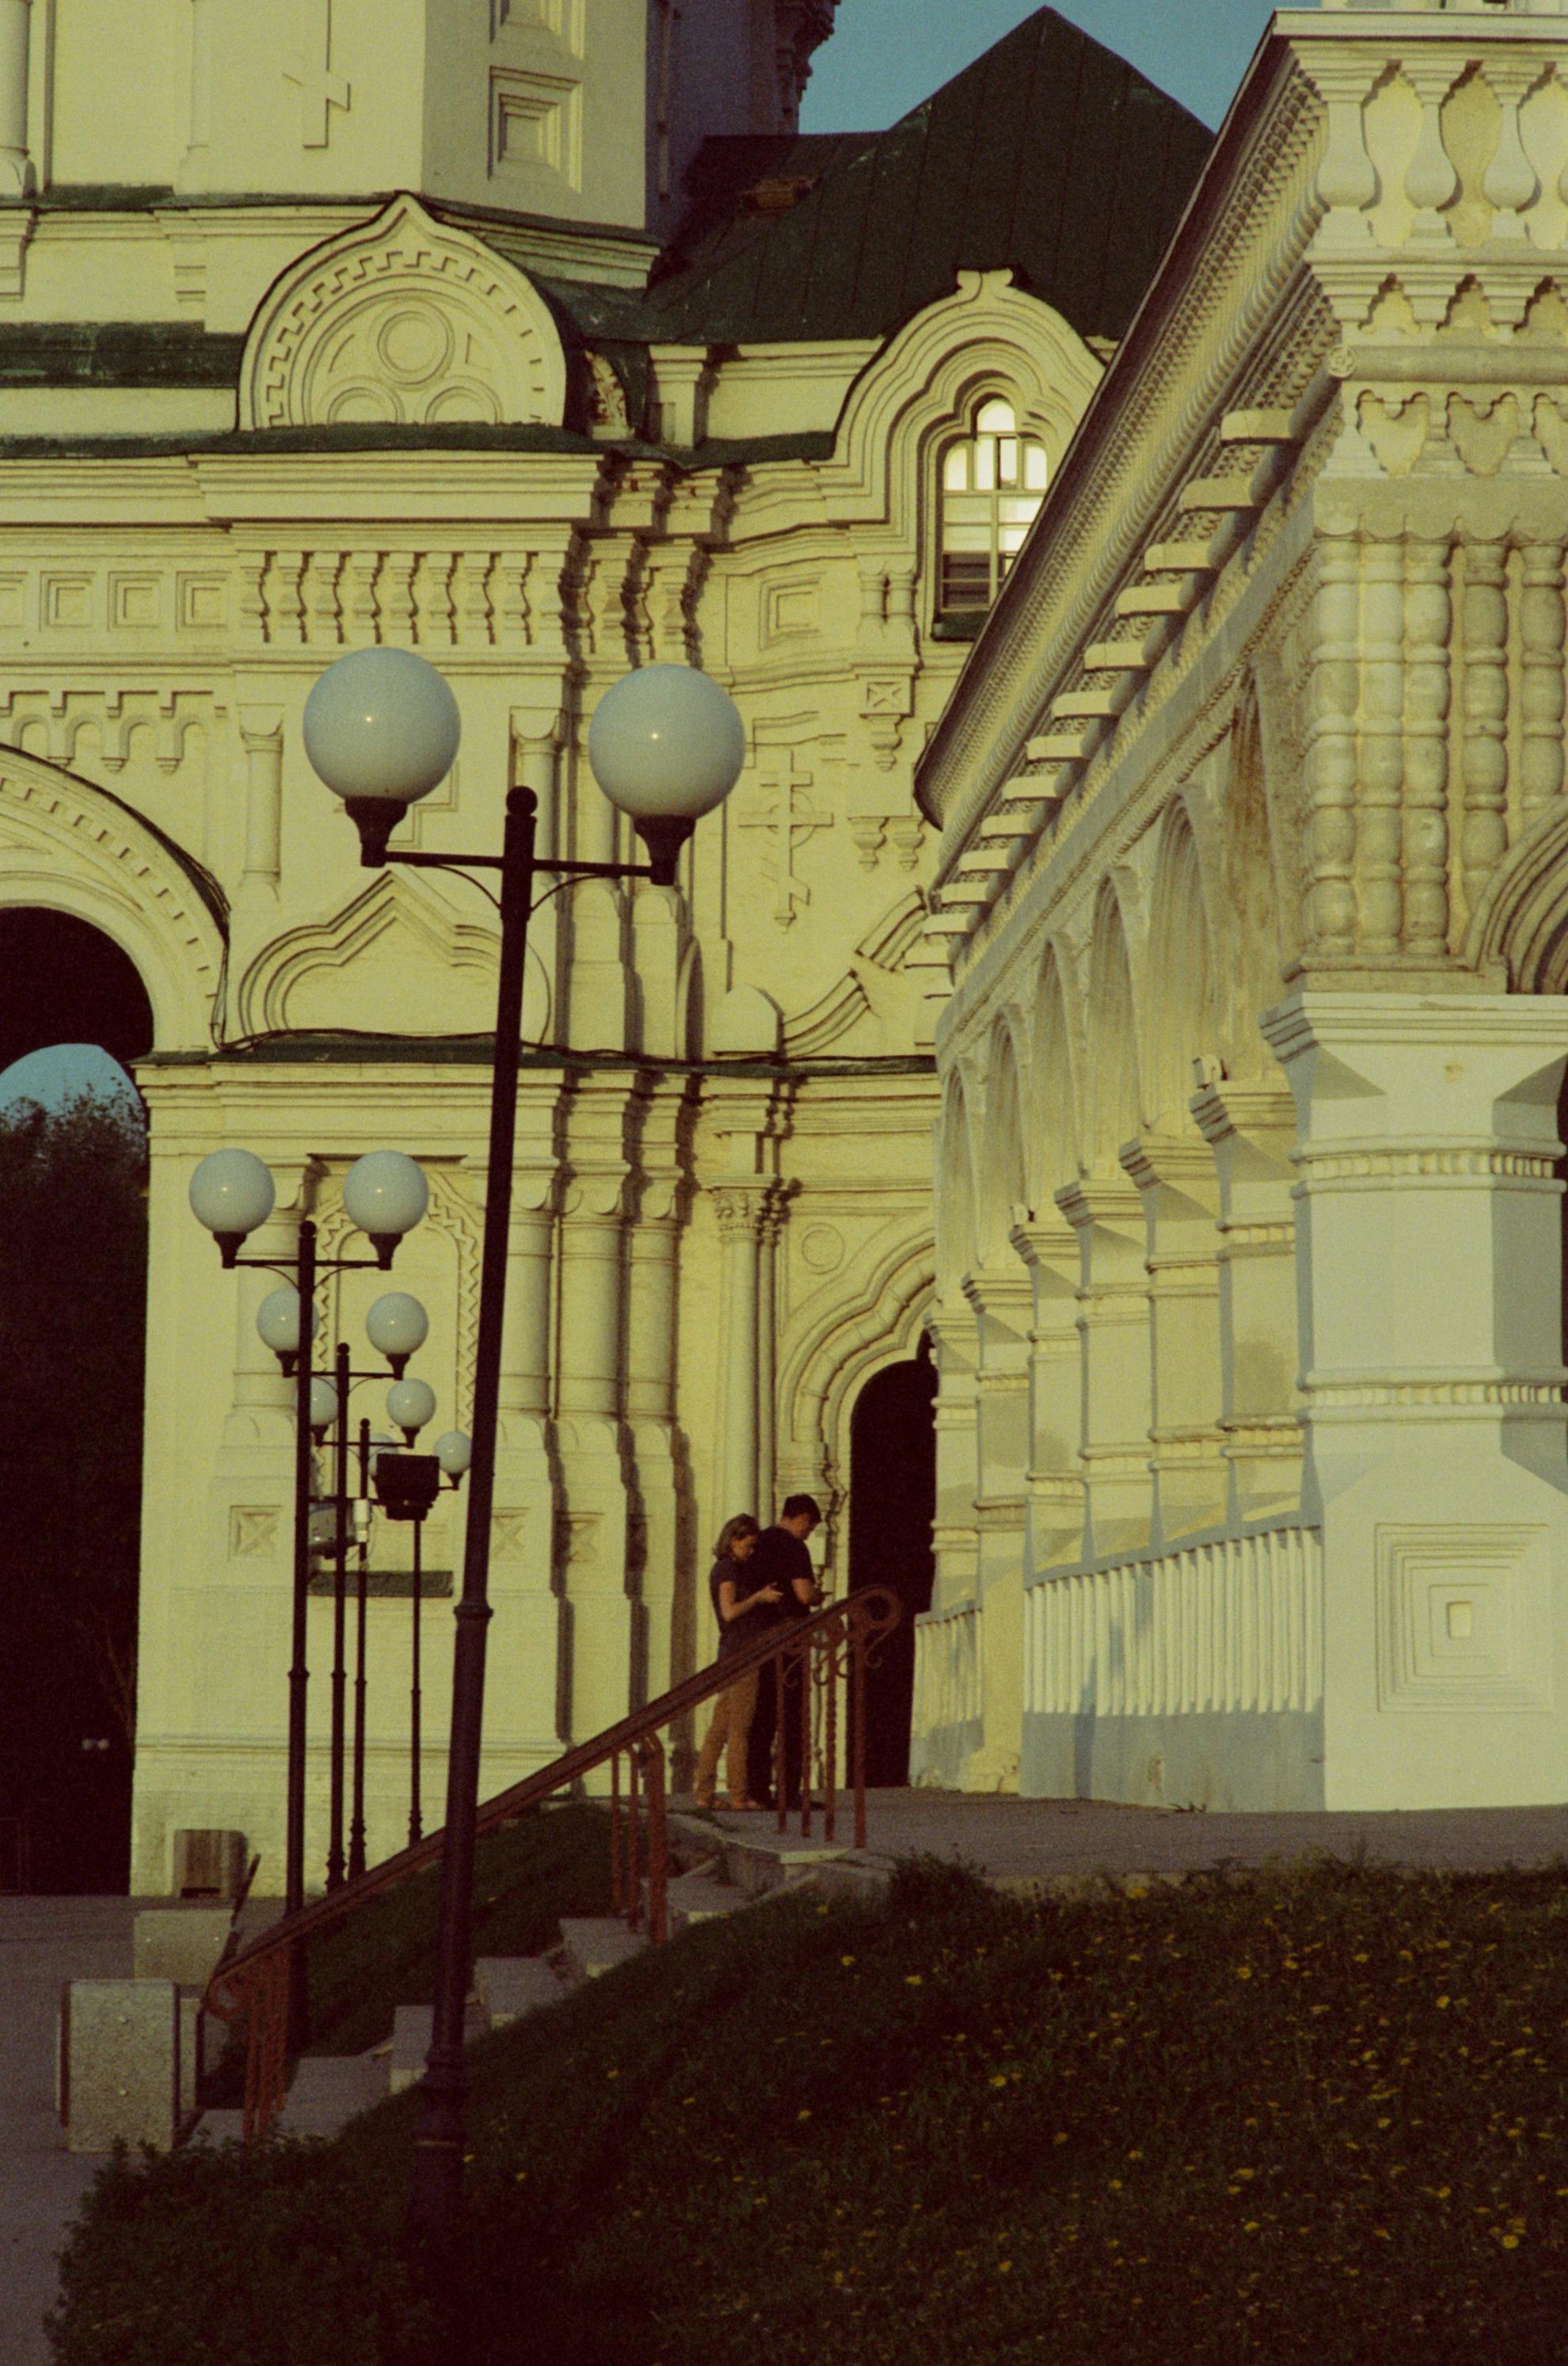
(233, 1194)
(396, 1325)
(666, 745)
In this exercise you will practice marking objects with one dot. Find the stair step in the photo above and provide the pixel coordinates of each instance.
(330, 2089)
(412, 2025)
(697, 1897)
(596, 1942)
(510, 1986)
(757, 1865)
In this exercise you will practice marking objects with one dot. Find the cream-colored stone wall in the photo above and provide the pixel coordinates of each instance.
(722, 1224)
(1251, 796)
(579, 110)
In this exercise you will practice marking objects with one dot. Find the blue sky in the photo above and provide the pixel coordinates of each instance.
(885, 56)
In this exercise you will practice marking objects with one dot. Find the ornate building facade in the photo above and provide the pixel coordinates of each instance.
(1251, 1415)
(534, 337)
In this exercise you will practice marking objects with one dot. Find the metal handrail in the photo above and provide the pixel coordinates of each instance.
(254, 1985)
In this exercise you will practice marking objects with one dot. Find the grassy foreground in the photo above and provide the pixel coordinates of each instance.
(1313, 2115)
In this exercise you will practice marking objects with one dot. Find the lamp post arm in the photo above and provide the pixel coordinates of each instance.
(438, 2146)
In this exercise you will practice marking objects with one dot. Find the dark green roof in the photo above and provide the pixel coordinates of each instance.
(1050, 155)
(116, 353)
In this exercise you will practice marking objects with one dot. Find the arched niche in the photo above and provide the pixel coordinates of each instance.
(957, 1250)
(1060, 1150)
(1183, 1023)
(74, 850)
(1000, 1173)
(1112, 1086)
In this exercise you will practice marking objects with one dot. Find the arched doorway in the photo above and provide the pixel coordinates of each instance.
(892, 1501)
(73, 1284)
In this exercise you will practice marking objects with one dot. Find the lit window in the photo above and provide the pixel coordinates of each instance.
(992, 485)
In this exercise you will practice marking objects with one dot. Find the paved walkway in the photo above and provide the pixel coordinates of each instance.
(1019, 1839)
(43, 1941)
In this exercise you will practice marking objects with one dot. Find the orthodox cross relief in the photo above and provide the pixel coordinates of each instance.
(310, 65)
(785, 808)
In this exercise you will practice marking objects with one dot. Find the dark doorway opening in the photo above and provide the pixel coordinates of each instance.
(67, 983)
(72, 1329)
(892, 1501)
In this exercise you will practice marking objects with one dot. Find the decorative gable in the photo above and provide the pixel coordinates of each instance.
(403, 322)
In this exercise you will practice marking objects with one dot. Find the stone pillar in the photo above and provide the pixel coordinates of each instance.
(16, 166)
(1175, 1179)
(955, 1532)
(525, 1637)
(1251, 1130)
(743, 1211)
(1053, 1524)
(1003, 1304)
(1112, 1320)
(593, 1526)
(1430, 1270)
(661, 1554)
(261, 731)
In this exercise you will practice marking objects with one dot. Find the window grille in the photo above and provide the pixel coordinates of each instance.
(992, 483)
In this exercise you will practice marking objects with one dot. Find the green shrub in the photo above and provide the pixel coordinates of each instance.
(1311, 2115)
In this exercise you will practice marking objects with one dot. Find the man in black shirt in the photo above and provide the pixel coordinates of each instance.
(780, 1559)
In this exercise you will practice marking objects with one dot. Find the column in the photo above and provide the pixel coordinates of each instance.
(525, 1636)
(1003, 1304)
(665, 1646)
(16, 168)
(1251, 1130)
(1429, 1271)
(1176, 1181)
(261, 734)
(593, 1526)
(742, 1210)
(1054, 1523)
(1112, 1320)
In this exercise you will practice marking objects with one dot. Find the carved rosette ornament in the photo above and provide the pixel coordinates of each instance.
(403, 322)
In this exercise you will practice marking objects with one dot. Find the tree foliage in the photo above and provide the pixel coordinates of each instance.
(72, 1326)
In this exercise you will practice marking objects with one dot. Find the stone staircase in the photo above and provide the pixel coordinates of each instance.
(719, 1866)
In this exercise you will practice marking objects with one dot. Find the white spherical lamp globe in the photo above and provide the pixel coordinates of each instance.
(231, 1193)
(277, 1320)
(454, 1452)
(667, 743)
(410, 1404)
(396, 1325)
(381, 729)
(323, 1404)
(385, 1193)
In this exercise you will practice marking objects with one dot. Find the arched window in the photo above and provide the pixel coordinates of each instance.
(992, 484)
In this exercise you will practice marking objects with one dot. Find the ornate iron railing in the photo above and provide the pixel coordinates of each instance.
(836, 1644)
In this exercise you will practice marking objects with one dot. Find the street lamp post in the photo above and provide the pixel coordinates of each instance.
(396, 1325)
(232, 1193)
(666, 745)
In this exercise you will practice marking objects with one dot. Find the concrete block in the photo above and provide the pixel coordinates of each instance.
(121, 2064)
(694, 1897)
(411, 2026)
(182, 1944)
(328, 2090)
(595, 1944)
(192, 2025)
(508, 1987)
(208, 1863)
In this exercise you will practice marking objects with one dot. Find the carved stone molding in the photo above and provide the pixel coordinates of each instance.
(403, 322)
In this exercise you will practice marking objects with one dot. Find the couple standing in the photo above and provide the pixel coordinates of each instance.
(762, 1583)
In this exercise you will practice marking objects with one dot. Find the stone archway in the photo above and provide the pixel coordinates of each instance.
(65, 982)
(892, 1504)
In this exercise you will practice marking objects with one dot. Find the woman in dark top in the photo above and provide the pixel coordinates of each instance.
(740, 1612)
